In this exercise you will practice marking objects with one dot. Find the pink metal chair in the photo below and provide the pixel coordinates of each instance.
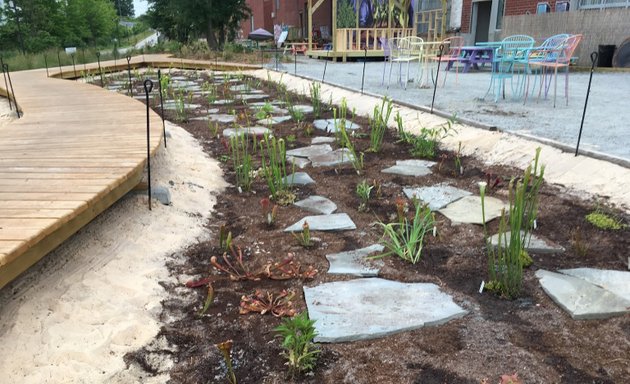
(452, 56)
(558, 58)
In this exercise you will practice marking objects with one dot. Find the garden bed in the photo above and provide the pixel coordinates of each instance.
(529, 335)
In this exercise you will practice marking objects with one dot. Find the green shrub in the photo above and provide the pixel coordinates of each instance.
(297, 341)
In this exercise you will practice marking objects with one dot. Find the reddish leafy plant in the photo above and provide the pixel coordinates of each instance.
(280, 305)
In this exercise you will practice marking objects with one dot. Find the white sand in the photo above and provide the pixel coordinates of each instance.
(72, 317)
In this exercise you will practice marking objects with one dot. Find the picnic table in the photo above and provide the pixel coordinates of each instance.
(474, 55)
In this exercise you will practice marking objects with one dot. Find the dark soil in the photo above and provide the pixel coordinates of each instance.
(530, 335)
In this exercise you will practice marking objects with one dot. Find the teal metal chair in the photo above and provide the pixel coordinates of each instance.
(508, 64)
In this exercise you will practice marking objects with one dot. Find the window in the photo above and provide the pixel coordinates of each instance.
(500, 12)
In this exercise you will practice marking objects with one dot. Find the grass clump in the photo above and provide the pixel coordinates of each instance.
(604, 221)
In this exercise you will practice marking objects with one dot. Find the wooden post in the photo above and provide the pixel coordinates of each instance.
(310, 25)
(333, 27)
(389, 19)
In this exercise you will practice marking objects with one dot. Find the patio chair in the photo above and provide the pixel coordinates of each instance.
(540, 53)
(400, 53)
(557, 58)
(416, 49)
(511, 52)
(452, 56)
(387, 54)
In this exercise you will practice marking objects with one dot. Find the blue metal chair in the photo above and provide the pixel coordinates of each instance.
(505, 66)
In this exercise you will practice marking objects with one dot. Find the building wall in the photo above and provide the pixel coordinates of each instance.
(261, 12)
(597, 27)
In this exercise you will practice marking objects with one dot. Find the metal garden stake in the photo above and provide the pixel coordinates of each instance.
(437, 75)
(295, 62)
(594, 57)
(59, 61)
(129, 73)
(162, 106)
(46, 63)
(74, 66)
(6, 84)
(5, 68)
(100, 71)
(325, 65)
(363, 76)
(148, 87)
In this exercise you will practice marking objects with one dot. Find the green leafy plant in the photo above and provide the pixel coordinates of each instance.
(297, 335)
(274, 168)
(265, 111)
(425, 144)
(241, 161)
(506, 260)
(604, 221)
(363, 191)
(405, 238)
(378, 124)
(316, 99)
(343, 138)
(225, 238)
(304, 238)
(459, 168)
(226, 351)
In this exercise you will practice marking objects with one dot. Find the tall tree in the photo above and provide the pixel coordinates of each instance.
(124, 8)
(216, 20)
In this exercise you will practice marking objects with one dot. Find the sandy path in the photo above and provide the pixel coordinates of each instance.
(72, 317)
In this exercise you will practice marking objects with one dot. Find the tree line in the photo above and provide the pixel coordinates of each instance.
(36, 25)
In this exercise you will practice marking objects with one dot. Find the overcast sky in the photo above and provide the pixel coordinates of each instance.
(140, 6)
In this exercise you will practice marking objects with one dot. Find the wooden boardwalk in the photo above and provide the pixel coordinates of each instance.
(76, 150)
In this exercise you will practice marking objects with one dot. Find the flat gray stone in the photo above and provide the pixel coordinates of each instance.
(310, 151)
(416, 163)
(338, 157)
(240, 88)
(275, 109)
(173, 106)
(317, 204)
(436, 196)
(580, 298)
(162, 194)
(262, 103)
(248, 131)
(322, 140)
(617, 282)
(298, 178)
(408, 170)
(334, 222)
(355, 263)
(222, 118)
(251, 96)
(274, 120)
(303, 108)
(331, 125)
(299, 162)
(468, 210)
(535, 244)
(222, 102)
(369, 308)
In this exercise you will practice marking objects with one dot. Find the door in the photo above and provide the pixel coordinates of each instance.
(481, 18)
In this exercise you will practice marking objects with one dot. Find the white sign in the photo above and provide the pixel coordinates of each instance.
(71, 50)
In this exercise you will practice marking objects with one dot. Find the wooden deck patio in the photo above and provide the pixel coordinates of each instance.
(76, 151)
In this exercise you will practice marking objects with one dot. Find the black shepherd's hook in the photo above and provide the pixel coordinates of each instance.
(325, 65)
(162, 106)
(46, 63)
(100, 71)
(74, 67)
(5, 68)
(594, 57)
(363, 76)
(148, 87)
(294, 61)
(59, 61)
(129, 73)
(437, 75)
(6, 84)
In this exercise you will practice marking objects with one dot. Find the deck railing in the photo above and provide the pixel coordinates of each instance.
(601, 4)
(357, 39)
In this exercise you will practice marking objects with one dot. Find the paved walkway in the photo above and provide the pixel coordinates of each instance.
(605, 127)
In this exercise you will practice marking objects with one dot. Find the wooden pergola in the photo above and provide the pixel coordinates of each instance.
(353, 42)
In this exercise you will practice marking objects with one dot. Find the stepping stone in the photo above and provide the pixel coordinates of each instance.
(355, 263)
(303, 108)
(310, 151)
(299, 161)
(274, 120)
(468, 210)
(317, 204)
(339, 157)
(274, 109)
(262, 103)
(162, 194)
(330, 125)
(535, 245)
(436, 196)
(363, 309)
(617, 282)
(415, 168)
(240, 88)
(334, 222)
(173, 106)
(582, 299)
(222, 118)
(222, 102)
(251, 96)
(298, 178)
(322, 140)
(248, 131)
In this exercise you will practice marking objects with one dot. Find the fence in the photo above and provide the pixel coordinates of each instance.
(608, 26)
